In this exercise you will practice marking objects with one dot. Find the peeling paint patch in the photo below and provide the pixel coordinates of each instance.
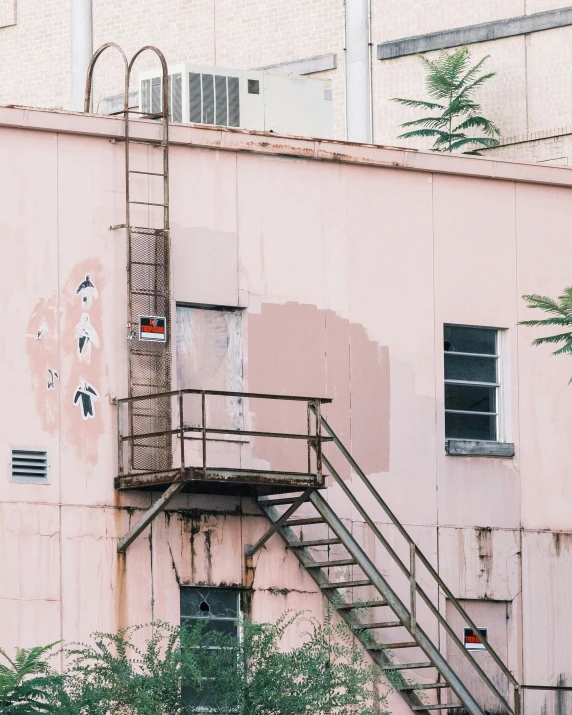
(295, 348)
(82, 428)
(42, 350)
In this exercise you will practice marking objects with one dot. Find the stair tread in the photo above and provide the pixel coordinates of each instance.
(407, 666)
(361, 604)
(377, 624)
(330, 564)
(315, 542)
(307, 520)
(440, 706)
(347, 584)
(394, 646)
(275, 502)
(424, 686)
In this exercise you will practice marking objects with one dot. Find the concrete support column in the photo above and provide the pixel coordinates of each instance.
(81, 50)
(358, 71)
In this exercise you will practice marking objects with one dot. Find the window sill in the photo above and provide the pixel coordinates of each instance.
(478, 448)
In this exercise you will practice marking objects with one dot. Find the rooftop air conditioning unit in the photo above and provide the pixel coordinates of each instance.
(246, 99)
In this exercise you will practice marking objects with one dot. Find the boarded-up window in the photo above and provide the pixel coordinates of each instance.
(209, 357)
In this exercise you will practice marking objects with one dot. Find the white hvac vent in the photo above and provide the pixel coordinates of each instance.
(29, 465)
(151, 99)
(214, 99)
(246, 99)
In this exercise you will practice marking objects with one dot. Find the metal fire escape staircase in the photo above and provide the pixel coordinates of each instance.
(150, 433)
(445, 689)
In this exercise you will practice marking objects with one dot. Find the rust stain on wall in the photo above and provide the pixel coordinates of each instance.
(485, 546)
(562, 541)
(299, 349)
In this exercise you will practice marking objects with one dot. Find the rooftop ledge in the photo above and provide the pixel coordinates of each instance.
(239, 140)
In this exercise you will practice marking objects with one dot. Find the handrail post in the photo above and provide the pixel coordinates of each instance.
(204, 412)
(309, 421)
(120, 436)
(317, 412)
(182, 430)
(412, 587)
(517, 700)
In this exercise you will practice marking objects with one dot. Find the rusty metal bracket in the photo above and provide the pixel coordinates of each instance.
(250, 550)
(148, 516)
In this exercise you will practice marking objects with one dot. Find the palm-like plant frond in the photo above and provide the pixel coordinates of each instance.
(560, 314)
(451, 81)
(27, 682)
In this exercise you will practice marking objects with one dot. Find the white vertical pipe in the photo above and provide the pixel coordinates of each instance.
(81, 50)
(358, 71)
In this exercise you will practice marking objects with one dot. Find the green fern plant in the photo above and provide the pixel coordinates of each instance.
(178, 671)
(27, 683)
(560, 314)
(451, 83)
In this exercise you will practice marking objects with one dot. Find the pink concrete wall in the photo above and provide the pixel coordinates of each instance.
(347, 260)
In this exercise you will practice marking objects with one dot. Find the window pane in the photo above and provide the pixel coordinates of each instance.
(213, 625)
(470, 426)
(475, 369)
(470, 340)
(467, 397)
(209, 603)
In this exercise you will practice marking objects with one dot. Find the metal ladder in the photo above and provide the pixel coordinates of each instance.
(403, 612)
(148, 269)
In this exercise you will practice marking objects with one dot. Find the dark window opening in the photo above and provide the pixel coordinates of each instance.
(218, 609)
(253, 86)
(471, 383)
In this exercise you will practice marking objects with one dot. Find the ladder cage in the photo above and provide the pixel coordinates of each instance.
(148, 268)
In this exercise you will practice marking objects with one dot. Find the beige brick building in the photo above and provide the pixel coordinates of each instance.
(530, 98)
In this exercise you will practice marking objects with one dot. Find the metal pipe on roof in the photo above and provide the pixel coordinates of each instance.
(81, 49)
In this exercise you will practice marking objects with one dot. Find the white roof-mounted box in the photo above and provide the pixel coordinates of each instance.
(245, 99)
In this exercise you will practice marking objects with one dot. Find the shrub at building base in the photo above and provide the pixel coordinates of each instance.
(174, 671)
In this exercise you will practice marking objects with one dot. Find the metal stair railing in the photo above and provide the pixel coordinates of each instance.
(357, 556)
(409, 616)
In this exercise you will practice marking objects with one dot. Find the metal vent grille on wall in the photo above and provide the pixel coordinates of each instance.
(214, 99)
(151, 96)
(29, 465)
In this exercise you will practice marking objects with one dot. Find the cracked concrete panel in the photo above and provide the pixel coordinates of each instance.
(103, 590)
(199, 549)
(480, 562)
(547, 604)
(29, 545)
(496, 616)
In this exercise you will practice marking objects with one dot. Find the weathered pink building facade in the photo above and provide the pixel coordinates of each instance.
(331, 269)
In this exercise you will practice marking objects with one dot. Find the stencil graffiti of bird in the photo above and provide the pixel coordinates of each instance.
(87, 291)
(86, 335)
(53, 375)
(85, 395)
(42, 330)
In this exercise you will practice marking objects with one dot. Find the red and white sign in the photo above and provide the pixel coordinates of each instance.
(471, 640)
(153, 327)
